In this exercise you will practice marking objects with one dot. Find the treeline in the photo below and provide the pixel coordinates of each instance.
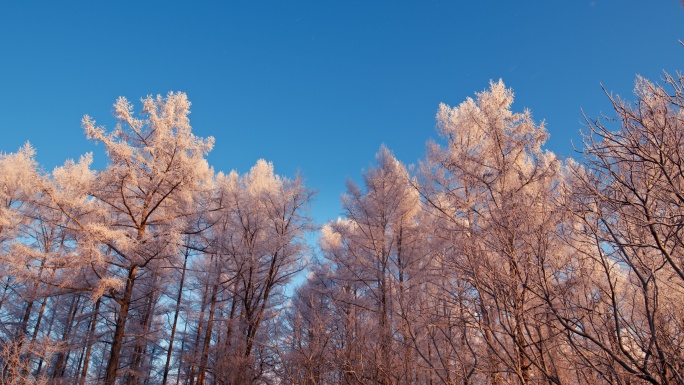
(494, 262)
(490, 262)
(153, 270)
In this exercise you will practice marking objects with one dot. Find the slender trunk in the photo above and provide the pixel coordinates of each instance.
(431, 373)
(62, 356)
(200, 328)
(150, 368)
(5, 289)
(494, 376)
(79, 362)
(182, 350)
(523, 364)
(36, 328)
(23, 326)
(101, 366)
(207, 337)
(23, 364)
(385, 332)
(227, 356)
(89, 343)
(403, 310)
(148, 331)
(49, 331)
(254, 324)
(23, 331)
(175, 318)
(140, 349)
(231, 318)
(117, 342)
(27, 314)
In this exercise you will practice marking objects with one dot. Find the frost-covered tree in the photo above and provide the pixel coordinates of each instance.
(252, 249)
(20, 185)
(310, 332)
(620, 297)
(40, 261)
(140, 203)
(494, 263)
(491, 187)
(19, 179)
(373, 251)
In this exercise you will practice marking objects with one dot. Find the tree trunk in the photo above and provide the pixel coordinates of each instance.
(207, 337)
(49, 330)
(89, 342)
(140, 351)
(200, 327)
(4, 291)
(36, 328)
(62, 356)
(117, 342)
(175, 319)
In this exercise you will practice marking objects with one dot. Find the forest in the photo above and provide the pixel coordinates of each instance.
(491, 261)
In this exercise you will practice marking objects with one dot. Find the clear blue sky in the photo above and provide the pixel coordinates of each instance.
(318, 86)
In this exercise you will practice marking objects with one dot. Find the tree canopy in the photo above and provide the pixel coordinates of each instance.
(490, 262)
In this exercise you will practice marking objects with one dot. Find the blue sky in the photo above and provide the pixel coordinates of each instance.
(318, 86)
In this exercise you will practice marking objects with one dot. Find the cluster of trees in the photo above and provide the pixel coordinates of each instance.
(153, 270)
(494, 262)
(491, 262)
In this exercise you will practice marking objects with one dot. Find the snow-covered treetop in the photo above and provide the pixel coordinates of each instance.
(18, 178)
(155, 160)
(489, 143)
